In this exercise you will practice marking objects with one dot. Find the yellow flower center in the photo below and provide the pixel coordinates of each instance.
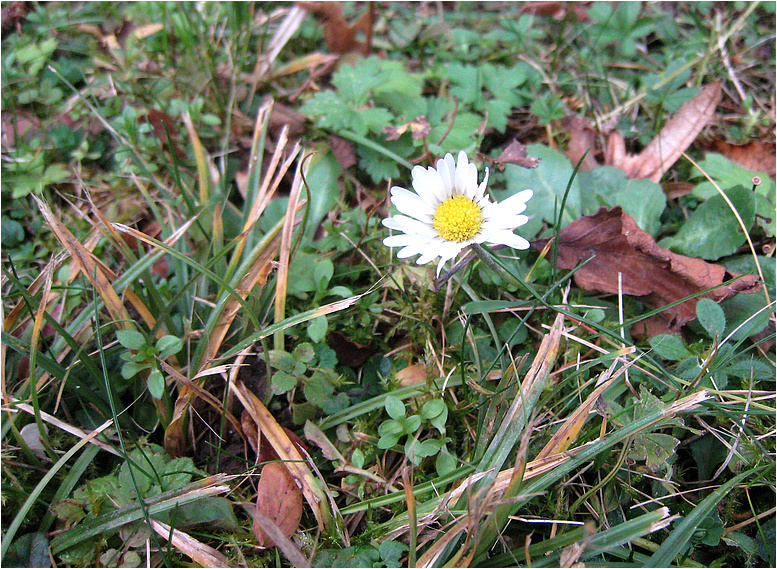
(457, 219)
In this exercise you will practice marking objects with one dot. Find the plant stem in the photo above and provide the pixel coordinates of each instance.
(489, 261)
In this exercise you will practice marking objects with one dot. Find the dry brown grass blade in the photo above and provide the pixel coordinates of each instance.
(564, 436)
(676, 136)
(200, 392)
(290, 549)
(200, 553)
(52, 420)
(92, 268)
(287, 451)
(284, 255)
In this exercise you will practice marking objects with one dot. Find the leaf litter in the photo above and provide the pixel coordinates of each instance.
(613, 244)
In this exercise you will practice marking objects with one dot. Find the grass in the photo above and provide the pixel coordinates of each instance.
(192, 254)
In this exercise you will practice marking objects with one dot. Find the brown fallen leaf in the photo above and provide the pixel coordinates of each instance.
(676, 136)
(164, 129)
(278, 498)
(419, 128)
(515, 153)
(558, 10)
(582, 139)
(615, 244)
(349, 353)
(342, 37)
(756, 155)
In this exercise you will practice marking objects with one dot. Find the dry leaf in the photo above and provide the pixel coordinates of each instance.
(412, 375)
(756, 155)
(558, 10)
(582, 139)
(343, 151)
(419, 128)
(515, 153)
(164, 129)
(349, 353)
(615, 244)
(279, 499)
(339, 35)
(676, 136)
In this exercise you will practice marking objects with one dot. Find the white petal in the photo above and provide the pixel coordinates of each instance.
(446, 167)
(426, 257)
(504, 237)
(481, 189)
(410, 225)
(403, 240)
(517, 202)
(410, 204)
(427, 185)
(504, 222)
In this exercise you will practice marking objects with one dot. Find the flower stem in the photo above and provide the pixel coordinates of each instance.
(489, 262)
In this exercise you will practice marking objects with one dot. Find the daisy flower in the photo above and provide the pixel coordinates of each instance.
(449, 211)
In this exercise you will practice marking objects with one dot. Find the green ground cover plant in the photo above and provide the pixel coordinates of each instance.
(219, 346)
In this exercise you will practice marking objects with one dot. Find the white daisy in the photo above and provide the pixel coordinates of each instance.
(450, 211)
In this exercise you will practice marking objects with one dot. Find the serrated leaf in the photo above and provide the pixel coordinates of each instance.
(354, 82)
(669, 347)
(711, 317)
(282, 382)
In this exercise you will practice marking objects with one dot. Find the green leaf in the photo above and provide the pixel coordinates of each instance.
(711, 317)
(155, 384)
(391, 427)
(746, 314)
(282, 382)
(390, 552)
(411, 424)
(682, 533)
(549, 181)
(130, 369)
(304, 353)
(669, 347)
(317, 328)
(12, 233)
(388, 441)
(322, 273)
(445, 462)
(433, 408)
(354, 82)
(357, 458)
(643, 200)
(131, 339)
(168, 345)
(394, 407)
(712, 230)
(322, 179)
